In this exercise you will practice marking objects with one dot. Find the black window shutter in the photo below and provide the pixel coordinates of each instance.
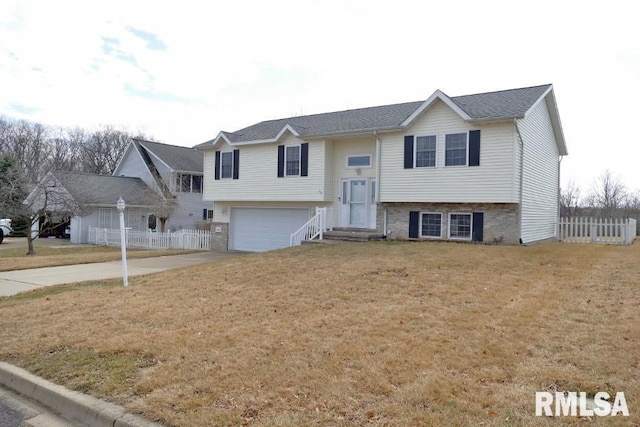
(474, 148)
(408, 151)
(414, 224)
(478, 227)
(236, 164)
(304, 159)
(280, 161)
(217, 172)
(204, 214)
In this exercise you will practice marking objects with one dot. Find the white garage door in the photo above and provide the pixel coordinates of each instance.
(264, 229)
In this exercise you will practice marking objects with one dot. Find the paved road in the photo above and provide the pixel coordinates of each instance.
(13, 282)
(16, 411)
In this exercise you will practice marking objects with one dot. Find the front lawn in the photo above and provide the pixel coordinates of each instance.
(56, 252)
(375, 333)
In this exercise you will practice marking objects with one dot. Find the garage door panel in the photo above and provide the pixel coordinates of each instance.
(262, 229)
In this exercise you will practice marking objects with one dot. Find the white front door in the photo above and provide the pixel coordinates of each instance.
(355, 203)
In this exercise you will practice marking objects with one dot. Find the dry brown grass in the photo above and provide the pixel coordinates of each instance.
(378, 333)
(12, 257)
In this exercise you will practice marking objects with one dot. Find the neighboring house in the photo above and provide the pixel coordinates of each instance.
(481, 167)
(90, 201)
(173, 171)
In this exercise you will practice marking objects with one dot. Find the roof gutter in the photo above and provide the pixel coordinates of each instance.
(495, 119)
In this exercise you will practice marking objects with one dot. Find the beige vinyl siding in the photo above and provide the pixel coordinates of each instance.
(330, 191)
(258, 174)
(491, 182)
(540, 176)
(222, 210)
(342, 148)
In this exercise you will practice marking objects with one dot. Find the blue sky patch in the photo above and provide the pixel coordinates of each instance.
(153, 41)
(23, 109)
(156, 96)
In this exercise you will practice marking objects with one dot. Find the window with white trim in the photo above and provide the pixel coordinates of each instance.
(187, 183)
(431, 224)
(355, 161)
(425, 151)
(455, 150)
(104, 217)
(226, 164)
(292, 160)
(133, 218)
(460, 226)
(209, 214)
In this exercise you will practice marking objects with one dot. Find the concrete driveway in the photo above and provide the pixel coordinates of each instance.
(13, 282)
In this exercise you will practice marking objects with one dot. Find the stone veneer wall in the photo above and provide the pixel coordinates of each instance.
(220, 239)
(501, 220)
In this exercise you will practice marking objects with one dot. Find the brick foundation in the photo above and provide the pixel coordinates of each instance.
(501, 220)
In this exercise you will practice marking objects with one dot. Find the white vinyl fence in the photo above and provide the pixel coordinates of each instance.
(182, 239)
(597, 230)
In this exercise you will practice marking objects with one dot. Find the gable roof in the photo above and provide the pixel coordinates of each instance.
(481, 107)
(183, 159)
(93, 189)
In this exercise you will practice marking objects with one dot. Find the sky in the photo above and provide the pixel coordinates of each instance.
(183, 71)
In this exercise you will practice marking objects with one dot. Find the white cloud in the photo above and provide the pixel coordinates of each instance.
(226, 65)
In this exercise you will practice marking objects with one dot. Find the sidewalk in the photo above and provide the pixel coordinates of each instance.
(13, 282)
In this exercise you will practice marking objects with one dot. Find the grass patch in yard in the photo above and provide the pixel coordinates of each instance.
(379, 333)
(48, 255)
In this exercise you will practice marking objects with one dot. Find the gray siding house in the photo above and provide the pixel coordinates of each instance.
(174, 172)
(90, 200)
(161, 185)
(482, 167)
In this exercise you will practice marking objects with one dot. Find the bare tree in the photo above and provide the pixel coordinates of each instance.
(48, 204)
(608, 194)
(27, 142)
(570, 199)
(64, 149)
(632, 202)
(103, 149)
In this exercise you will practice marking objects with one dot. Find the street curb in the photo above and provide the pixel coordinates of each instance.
(71, 405)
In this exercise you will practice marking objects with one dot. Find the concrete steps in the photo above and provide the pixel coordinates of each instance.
(352, 235)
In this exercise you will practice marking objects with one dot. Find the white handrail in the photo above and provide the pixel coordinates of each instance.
(311, 229)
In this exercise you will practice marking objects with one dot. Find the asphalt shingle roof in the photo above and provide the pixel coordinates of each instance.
(501, 104)
(482, 106)
(178, 158)
(93, 189)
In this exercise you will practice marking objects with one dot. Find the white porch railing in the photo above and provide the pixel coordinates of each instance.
(182, 239)
(597, 230)
(315, 227)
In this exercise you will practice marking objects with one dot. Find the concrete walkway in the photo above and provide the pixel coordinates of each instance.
(13, 282)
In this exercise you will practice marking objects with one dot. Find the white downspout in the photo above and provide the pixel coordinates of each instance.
(378, 186)
(559, 203)
(521, 178)
(378, 165)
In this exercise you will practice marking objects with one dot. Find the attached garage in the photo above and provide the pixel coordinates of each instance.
(263, 229)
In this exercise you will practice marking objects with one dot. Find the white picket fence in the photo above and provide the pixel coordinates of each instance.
(182, 239)
(597, 230)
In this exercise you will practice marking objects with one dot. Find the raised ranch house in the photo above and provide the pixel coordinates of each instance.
(481, 167)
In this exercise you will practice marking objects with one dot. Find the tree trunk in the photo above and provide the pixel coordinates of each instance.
(30, 237)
